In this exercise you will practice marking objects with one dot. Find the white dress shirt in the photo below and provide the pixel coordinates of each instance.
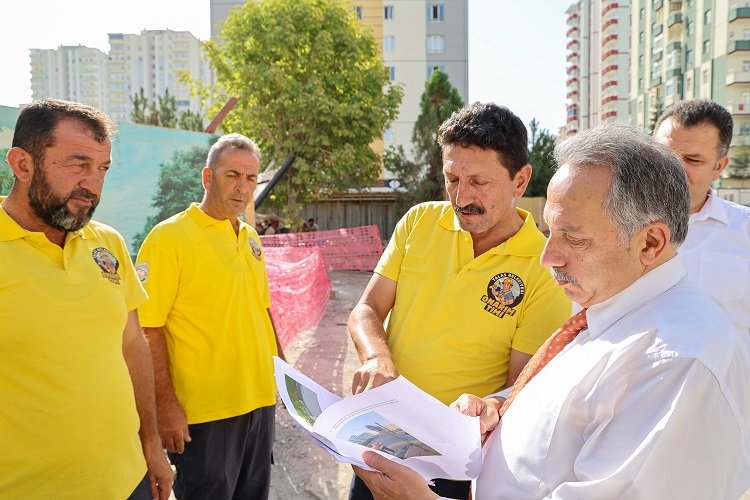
(717, 256)
(652, 401)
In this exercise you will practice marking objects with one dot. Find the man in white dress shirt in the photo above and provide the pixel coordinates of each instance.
(717, 249)
(652, 400)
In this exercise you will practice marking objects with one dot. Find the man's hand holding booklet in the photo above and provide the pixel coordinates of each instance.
(397, 420)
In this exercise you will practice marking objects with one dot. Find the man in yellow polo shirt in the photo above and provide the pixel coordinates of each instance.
(211, 335)
(460, 282)
(76, 383)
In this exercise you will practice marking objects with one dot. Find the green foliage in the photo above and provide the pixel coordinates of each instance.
(739, 166)
(6, 174)
(541, 148)
(655, 114)
(163, 112)
(309, 80)
(179, 185)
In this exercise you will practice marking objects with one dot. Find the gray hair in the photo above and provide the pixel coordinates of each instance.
(649, 183)
(233, 141)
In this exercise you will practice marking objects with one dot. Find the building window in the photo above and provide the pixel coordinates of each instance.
(435, 44)
(689, 28)
(705, 76)
(391, 73)
(707, 17)
(388, 12)
(669, 88)
(746, 65)
(358, 11)
(688, 58)
(435, 12)
(432, 69)
(389, 43)
(388, 136)
(706, 47)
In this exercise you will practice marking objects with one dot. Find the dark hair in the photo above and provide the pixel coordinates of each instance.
(489, 127)
(699, 111)
(36, 124)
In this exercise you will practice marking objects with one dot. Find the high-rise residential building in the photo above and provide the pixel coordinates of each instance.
(598, 53)
(418, 37)
(692, 49)
(74, 73)
(153, 61)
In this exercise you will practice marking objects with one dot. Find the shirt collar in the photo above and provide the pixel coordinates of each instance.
(524, 243)
(652, 284)
(712, 209)
(10, 229)
(204, 220)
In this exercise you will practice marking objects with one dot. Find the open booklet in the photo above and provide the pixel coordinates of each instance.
(397, 420)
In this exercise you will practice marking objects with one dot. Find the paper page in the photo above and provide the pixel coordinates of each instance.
(397, 420)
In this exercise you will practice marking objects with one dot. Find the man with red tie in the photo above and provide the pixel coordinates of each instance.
(645, 393)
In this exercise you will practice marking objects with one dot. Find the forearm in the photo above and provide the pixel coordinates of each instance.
(279, 349)
(368, 333)
(160, 358)
(136, 354)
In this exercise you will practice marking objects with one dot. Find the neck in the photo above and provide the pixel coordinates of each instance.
(208, 209)
(494, 237)
(699, 206)
(17, 207)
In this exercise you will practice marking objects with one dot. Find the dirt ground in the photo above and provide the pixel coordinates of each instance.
(327, 355)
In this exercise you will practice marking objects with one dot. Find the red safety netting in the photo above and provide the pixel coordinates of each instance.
(299, 287)
(351, 248)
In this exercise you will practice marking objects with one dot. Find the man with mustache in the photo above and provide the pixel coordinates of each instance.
(644, 393)
(211, 336)
(437, 279)
(76, 379)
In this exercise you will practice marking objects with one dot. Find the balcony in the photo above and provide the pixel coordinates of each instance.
(607, 24)
(609, 54)
(658, 30)
(572, 56)
(609, 114)
(655, 80)
(572, 17)
(571, 81)
(609, 7)
(607, 69)
(737, 76)
(739, 13)
(657, 56)
(572, 43)
(673, 19)
(572, 69)
(609, 38)
(740, 108)
(610, 83)
(658, 4)
(674, 46)
(609, 99)
(571, 94)
(736, 45)
(571, 31)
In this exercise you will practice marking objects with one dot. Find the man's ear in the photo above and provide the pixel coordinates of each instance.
(655, 239)
(21, 163)
(720, 166)
(521, 180)
(206, 177)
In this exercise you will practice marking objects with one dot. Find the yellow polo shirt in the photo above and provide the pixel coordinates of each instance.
(456, 317)
(208, 287)
(68, 421)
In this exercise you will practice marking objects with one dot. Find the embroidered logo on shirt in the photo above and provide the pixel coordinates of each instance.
(504, 292)
(141, 270)
(255, 248)
(107, 263)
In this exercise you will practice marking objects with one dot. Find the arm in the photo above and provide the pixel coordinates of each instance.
(368, 333)
(517, 361)
(135, 352)
(173, 426)
(279, 349)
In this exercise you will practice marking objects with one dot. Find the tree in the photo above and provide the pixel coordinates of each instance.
(656, 113)
(163, 112)
(739, 166)
(179, 185)
(439, 100)
(6, 174)
(310, 81)
(541, 149)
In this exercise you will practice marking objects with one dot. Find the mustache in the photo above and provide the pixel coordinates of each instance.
(470, 209)
(82, 193)
(563, 276)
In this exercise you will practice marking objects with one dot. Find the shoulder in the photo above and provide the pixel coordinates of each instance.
(738, 214)
(103, 232)
(428, 212)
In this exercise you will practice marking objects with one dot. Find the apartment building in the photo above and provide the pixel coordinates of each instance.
(598, 56)
(418, 37)
(153, 60)
(690, 49)
(74, 73)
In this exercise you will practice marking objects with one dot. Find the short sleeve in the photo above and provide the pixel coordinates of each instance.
(157, 268)
(135, 295)
(389, 264)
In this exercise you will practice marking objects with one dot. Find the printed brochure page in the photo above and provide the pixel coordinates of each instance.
(397, 420)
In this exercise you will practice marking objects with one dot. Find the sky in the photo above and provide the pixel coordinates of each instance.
(516, 47)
